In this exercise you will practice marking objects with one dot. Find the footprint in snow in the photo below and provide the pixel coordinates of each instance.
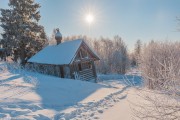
(100, 111)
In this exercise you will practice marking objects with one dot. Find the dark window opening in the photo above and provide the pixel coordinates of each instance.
(62, 71)
(79, 66)
(89, 65)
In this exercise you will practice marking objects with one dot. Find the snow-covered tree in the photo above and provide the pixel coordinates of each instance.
(52, 40)
(137, 52)
(120, 57)
(22, 36)
(160, 67)
(113, 54)
(160, 64)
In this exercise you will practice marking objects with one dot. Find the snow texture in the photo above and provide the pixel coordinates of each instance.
(35, 96)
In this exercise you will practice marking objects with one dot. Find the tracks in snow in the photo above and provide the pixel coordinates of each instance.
(90, 110)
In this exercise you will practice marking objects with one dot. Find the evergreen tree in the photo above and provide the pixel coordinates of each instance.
(137, 51)
(22, 36)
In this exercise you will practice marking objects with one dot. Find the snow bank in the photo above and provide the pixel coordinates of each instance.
(30, 95)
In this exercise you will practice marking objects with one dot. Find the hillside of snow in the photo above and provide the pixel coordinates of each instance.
(28, 95)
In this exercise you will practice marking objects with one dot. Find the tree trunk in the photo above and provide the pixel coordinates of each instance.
(23, 56)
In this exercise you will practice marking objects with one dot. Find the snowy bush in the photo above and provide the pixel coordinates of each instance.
(160, 65)
(156, 106)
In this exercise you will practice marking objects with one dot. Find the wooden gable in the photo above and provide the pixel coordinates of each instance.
(85, 53)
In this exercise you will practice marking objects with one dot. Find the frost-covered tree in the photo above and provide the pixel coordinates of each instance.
(113, 54)
(137, 52)
(160, 67)
(132, 59)
(52, 40)
(22, 36)
(160, 64)
(120, 57)
(138, 46)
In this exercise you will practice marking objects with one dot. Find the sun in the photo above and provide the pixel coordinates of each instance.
(89, 18)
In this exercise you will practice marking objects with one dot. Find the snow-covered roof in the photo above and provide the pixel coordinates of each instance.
(60, 54)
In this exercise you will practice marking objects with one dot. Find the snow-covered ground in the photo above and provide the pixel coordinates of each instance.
(28, 95)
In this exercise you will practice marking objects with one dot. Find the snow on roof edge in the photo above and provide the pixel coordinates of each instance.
(64, 59)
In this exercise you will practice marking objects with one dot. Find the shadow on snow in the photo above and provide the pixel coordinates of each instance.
(127, 80)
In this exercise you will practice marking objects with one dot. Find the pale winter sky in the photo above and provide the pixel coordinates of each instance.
(130, 19)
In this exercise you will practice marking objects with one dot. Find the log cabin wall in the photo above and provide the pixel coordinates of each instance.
(84, 70)
(45, 69)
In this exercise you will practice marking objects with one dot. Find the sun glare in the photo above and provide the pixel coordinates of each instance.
(89, 18)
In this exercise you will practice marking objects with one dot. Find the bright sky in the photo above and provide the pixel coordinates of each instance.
(130, 19)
